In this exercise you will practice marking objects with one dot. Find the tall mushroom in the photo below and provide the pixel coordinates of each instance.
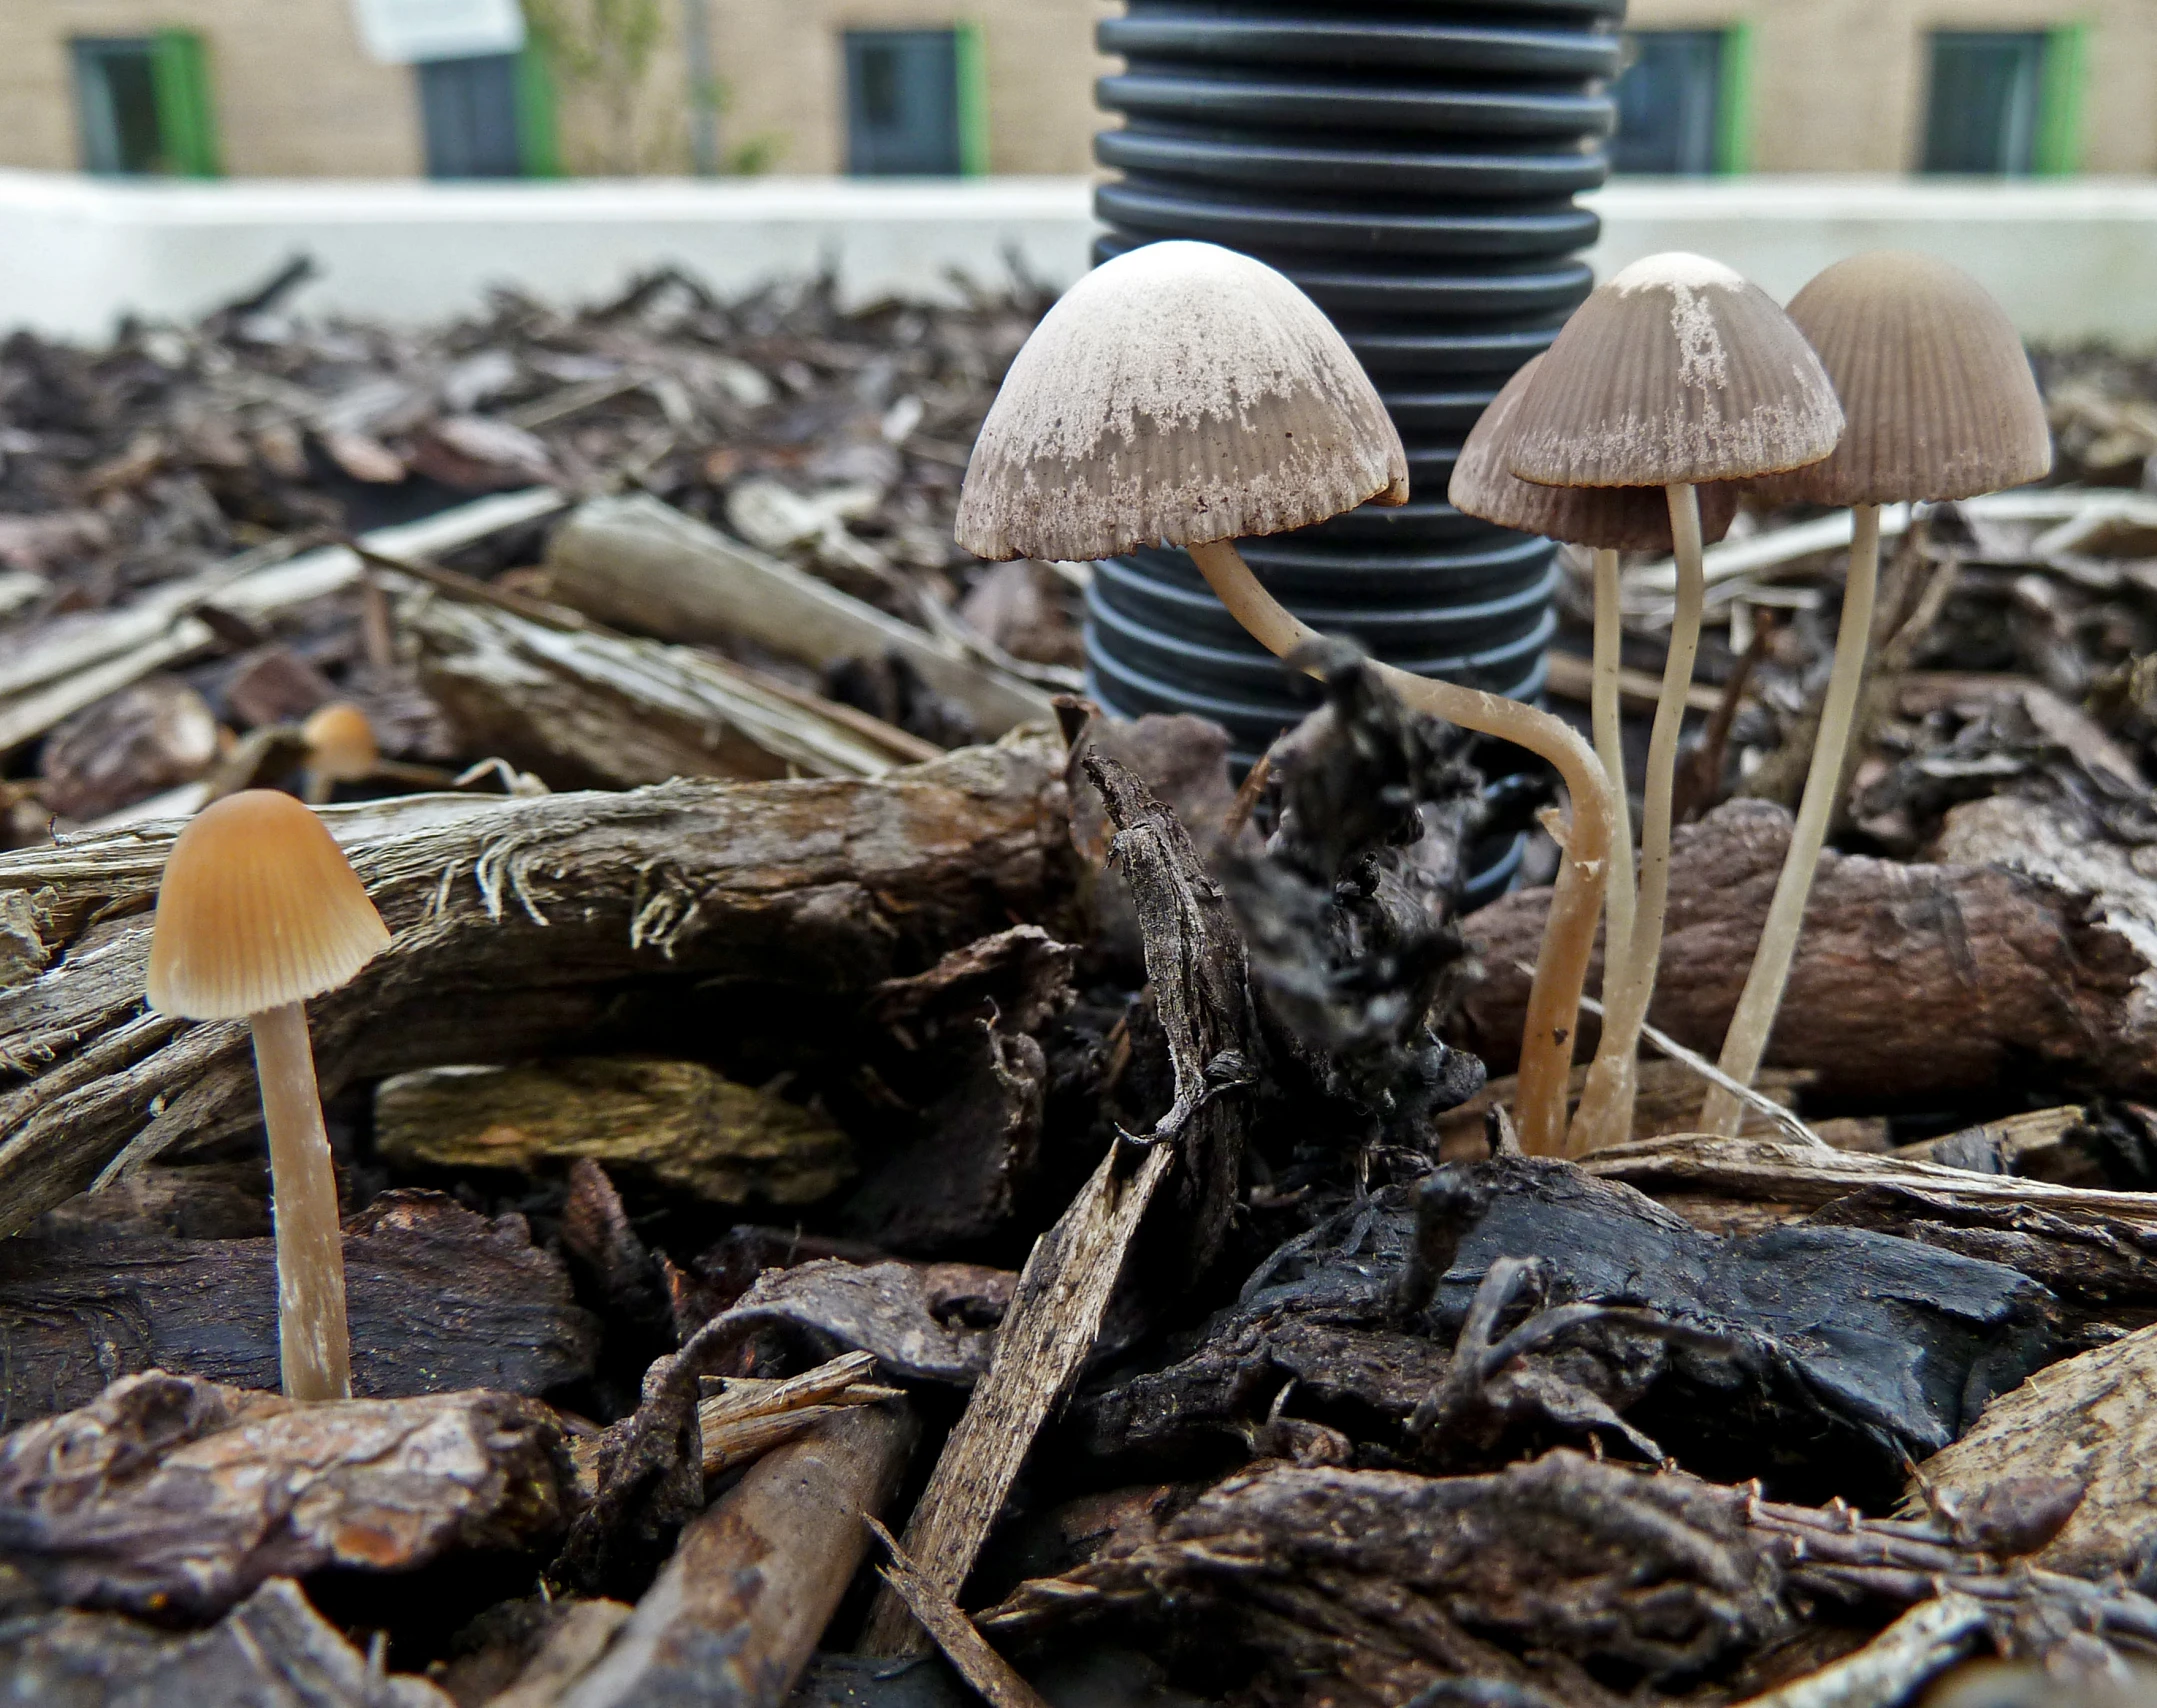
(1608, 520)
(1183, 392)
(258, 911)
(1675, 372)
(1941, 404)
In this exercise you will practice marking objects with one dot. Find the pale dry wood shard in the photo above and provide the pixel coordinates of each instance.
(1195, 961)
(643, 566)
(587, 710)
(737, 1611)
(997, 1681)
(1909, 979)
(674, 1126)
(521, 926)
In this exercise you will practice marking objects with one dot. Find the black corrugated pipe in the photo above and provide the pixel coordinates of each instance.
(1412, 166)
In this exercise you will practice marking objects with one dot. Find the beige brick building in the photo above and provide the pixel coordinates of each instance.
(285, 88)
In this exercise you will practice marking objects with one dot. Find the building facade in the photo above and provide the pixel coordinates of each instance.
(933, 87)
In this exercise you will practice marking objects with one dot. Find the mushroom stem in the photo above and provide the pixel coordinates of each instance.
(1747, 1040)
(1546, 1046)
(316, 787)
(1610, 748)
(314, 1346)
(1605, 1116)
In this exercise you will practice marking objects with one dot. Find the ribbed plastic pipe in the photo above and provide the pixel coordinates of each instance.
(1413, 167)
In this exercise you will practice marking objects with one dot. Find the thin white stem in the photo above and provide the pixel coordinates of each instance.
(313, 1342)
(1610, 748)
(1553, 1020)
(1605, 1116)
(1747, 1040)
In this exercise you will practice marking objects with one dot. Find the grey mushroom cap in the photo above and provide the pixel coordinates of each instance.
(1618, 518)
(1932, 376)
(1676, 370)
(1180, 392)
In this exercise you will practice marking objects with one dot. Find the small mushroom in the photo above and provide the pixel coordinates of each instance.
(1675, 372)
(1941, 404)
(1185, 393)
(1608, 520)
(340, 749)
(258, 910)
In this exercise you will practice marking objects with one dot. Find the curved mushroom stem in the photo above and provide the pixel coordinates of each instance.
(1747, 1040)
(1546, 1046)
(1605, 1116)
(313, 1343)
(1610, 748)
(316, 787)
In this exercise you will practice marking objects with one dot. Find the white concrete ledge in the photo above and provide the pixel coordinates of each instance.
(2071, 259)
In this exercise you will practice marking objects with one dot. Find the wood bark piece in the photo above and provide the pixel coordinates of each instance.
(641, 565)
(2091, 1420)
(521, 926)
(1194, 959)
(1909, 979)
(438, 1299)
(1924, 1642)
(964, 1647)
(273, 1649)
(677, 1126)
(173, 1495)
(749, 1416)
(736, 1613)
(75, 662)
(587, 710)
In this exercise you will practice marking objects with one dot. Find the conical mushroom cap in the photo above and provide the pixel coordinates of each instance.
(1938, 393)
(258, 908)
(1180, 392)
(1620, 518)
(340, 742)
(1675, 370)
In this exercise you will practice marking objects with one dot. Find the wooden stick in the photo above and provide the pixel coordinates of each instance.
(964, 1647)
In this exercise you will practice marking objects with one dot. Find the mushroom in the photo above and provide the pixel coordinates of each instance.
(1608, 520)
(1941, 404)
(1675, 372)
(258, 910)
(1185, 393)
(340, 749)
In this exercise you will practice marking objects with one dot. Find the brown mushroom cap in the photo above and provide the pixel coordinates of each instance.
(1179, 392)
(258, 908)
(340, 742)
(1618, 518)
(1676, 370)
(1931, 373)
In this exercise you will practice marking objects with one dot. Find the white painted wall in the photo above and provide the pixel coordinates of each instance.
(2072, 259)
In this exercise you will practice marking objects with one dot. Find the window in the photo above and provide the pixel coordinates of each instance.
(1981, 112)
(2005, 101)
(142, 104)
(1677, 102)
(913, 103)
(468, 108)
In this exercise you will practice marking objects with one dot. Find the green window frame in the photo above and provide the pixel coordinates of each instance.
(539, 145)
(186, 119)
(2061, 101)
(1734, 102)
(973, 69)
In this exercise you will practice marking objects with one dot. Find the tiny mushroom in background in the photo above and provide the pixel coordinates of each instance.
(1941, 404)
(1674, 373)
(257, 911)
(1185, 393)
(1608, 520)
(340, 749)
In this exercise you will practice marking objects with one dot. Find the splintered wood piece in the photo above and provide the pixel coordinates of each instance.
(438, 1299)
(1195, 961)
(749, 1417)
(736, 1613)
(1909, 979)
(589, 710)
(677, 1126)
(2090, 1421)
(1925, 1641)
(273, 1648)
(964, 1647)
(642, 565)
(173, 1495)
(523, 925)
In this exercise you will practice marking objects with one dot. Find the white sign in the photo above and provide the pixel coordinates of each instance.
(406, 32)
